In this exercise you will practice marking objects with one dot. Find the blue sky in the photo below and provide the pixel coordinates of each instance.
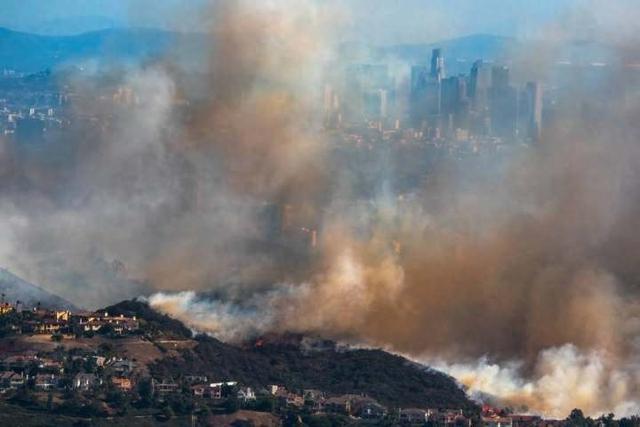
(379, 21)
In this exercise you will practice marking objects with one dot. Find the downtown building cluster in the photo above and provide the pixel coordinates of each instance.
(483, 104)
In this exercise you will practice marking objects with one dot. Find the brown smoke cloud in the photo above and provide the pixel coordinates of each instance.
(531, 265)
(520, 271)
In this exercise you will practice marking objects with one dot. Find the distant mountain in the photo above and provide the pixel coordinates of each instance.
(459, 52)
(15, 288)
(72, 25)
(27, 52)
(31, 53)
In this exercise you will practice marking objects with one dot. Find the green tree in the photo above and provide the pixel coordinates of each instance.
(50, 402)
(576, 419)
(167, 412)
(145, 391)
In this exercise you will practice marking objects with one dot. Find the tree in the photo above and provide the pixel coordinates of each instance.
(167, 412)
(577, 419)
(145, 391)
(607, 420)
(231, 405)
(50, 402)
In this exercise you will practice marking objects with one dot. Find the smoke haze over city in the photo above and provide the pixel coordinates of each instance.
(242, 199)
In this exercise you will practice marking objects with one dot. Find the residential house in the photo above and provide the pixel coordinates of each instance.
(93, 322)
(293, 399)
(48, 326)
(100, 360)
(196, 379)
(497, 421)
(274, 389)
(50, 366)
(338, 404)
(122, 367)
(122, 383)
(367, 408)
(286, 398)
(165, 386)
(20, 361)
(86, 382)
(62, 316)
(215, 390)
(525, 420)
(198, 390)
(315, 398)
(6, 308)
(10, 380)
(46, 382)
(246, 394)
(413, 416)
(313, 395)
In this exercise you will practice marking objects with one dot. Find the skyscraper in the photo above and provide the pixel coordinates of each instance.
(419, 85)
(426, 90)
(533, 101)
(437, 65)
(504, 104)
(500, 77)
(479, 85)
(454, 102)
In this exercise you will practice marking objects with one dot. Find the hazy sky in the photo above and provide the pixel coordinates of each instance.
(378, 21)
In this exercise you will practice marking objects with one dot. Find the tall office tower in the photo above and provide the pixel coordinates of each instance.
(437, 65)
(454, 102)
(500, 76)
(504, 104)
(434, 89)
(364, 83)
(384, 104)
(479, 84)
(533, 107)
(426, 90)
(419, 86)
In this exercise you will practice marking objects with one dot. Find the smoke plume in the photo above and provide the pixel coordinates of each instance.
(519, 271)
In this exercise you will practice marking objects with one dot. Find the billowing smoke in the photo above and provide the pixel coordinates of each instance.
(167, 190)
(520, 271)
(564, 378)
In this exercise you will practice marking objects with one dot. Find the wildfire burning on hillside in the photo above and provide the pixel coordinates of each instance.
(519, 280)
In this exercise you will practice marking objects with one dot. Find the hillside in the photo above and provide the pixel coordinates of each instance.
(303, 363)
(29, 53)
(468, 48)
(26, 52)
(14, 288)
(390, 379)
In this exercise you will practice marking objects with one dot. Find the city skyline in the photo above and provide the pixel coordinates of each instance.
(241, 216)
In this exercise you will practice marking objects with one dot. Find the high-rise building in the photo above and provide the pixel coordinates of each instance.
(500, 77)
(418, 97)
(364, 85)
(504, 104)
(479, 85)
(384, 104)
(426, 90)
(437, 65)
(533, 107)
(454, 102)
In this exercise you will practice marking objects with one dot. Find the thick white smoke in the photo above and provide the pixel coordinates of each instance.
(563, 378)
(533, 262)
